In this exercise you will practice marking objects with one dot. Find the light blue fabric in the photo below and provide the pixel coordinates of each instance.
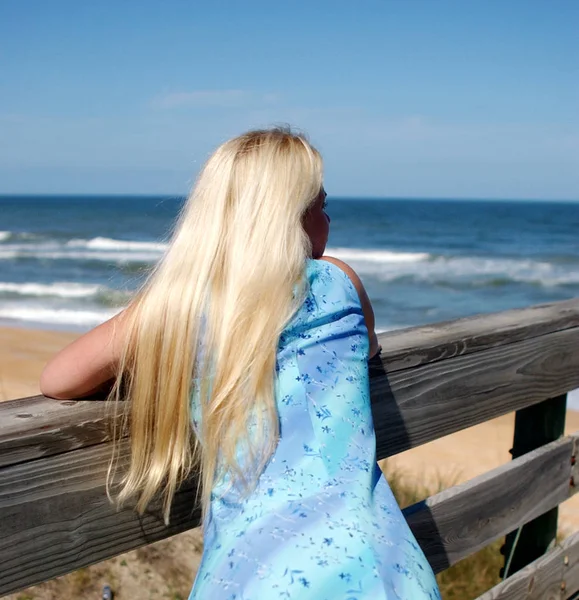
(322, 523)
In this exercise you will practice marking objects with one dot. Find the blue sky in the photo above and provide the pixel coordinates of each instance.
(405, 98)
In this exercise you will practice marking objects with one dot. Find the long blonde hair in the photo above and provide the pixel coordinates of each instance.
(213, 309)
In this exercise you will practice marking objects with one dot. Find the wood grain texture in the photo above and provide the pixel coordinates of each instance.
(554, 576)
(35, 427)
(535, 426)
(570, 548)
(406, 348)
(463, 519)
(55, 518)
(575, 465)
(417, 405)
(411, 407)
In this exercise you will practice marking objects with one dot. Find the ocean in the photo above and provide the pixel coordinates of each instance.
(72, 262)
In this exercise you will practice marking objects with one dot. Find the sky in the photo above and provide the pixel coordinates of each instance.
(404, 98)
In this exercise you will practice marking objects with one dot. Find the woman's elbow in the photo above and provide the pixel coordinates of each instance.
(55, 384)
(56, 381)
(49, 385)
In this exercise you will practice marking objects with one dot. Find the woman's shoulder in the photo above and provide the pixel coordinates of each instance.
(347, 270)
(333, 268)
(340, 268)
(325, 276)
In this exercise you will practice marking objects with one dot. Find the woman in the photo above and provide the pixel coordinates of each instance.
(245, 356)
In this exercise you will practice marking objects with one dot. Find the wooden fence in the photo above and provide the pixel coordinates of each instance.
(433, 381)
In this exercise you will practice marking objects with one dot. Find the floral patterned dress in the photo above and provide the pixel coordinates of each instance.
(322, 523)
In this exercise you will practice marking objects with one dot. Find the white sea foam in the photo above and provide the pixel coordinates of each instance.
(20, 235)
(59, 289)
(99, 249)
(116, 257)
(389, 328)
(377, 256)
(524, 271)
(54, 252)
(57, 316)
(389, 266)
(385, 265)
(102, 243)
(32, 249)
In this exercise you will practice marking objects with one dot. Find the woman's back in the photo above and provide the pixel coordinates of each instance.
(322, 521)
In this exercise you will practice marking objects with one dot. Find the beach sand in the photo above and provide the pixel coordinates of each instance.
(449, 460)
(23, 354)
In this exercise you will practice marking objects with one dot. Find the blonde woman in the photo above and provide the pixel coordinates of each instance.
(245, 356)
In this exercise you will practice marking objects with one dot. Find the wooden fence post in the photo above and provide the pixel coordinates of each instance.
(535, 426)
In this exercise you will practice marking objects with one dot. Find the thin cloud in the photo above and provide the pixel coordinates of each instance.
(212, 98)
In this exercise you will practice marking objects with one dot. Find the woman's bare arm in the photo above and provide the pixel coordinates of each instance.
(88, 365)
(364, 301)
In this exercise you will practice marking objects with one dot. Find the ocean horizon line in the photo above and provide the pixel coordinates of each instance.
(341, 197)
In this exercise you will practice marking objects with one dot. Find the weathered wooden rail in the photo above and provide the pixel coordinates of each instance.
(432, 381)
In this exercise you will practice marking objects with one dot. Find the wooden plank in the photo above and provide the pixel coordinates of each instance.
(571, 573)
(411, 407)
(421, 404)
(34, 427)
(554, 576)
(571, 570)
(535, 426)
(463, 519)
(575, 464)
(406, 348)
(55, 518)
(421, 388)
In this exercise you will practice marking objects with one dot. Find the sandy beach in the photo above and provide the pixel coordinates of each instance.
(23, 354)
(449, 460)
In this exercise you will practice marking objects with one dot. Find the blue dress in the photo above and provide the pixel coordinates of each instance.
(322, 523)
